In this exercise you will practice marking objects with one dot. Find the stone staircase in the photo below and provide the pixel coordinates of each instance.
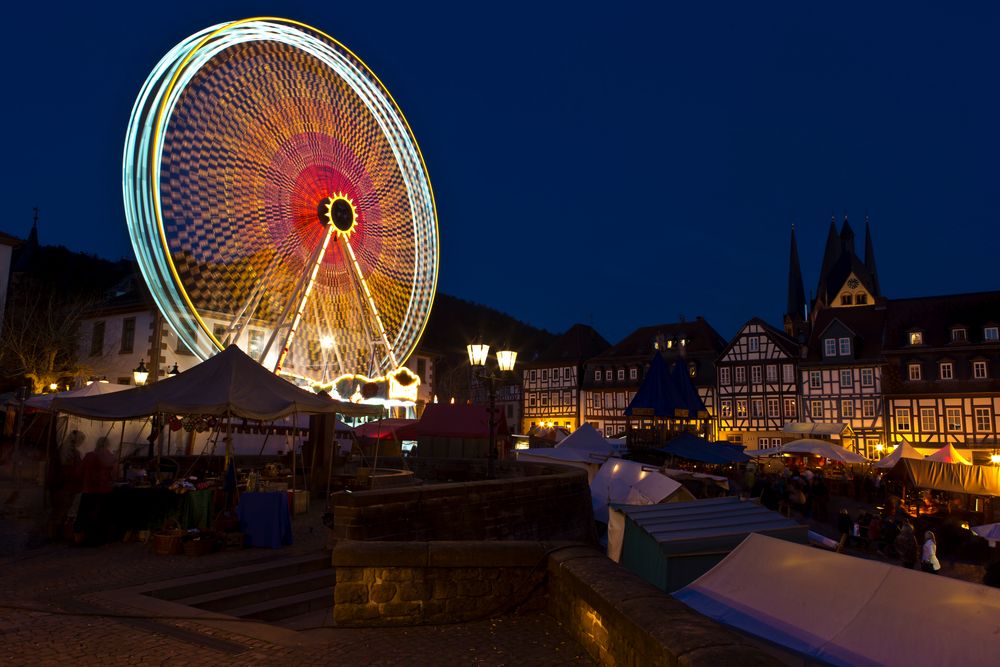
(295, 593)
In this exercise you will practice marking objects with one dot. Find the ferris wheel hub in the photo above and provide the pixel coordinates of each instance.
(338, 210)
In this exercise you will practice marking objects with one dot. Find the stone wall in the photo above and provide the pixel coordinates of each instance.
(616, 616)
(415, 583)
(526, 502)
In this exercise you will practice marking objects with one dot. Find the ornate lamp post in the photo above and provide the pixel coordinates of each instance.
(140, 374)
(478, 353)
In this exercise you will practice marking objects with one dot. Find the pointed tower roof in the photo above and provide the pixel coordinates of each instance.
(795, 308)
(830, 256)
(870, 259)
(847, 237)
(28, 249)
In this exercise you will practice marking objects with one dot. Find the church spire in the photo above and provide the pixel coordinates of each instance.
(830, 256)
(870, 260)
(847, 237)
(796, 305)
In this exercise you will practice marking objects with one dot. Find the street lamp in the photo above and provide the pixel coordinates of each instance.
(478, 353)
(140, 373)
(174, 371)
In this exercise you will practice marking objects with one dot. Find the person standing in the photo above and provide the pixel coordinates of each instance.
(928, 559)
(906, 546)
(98, 470)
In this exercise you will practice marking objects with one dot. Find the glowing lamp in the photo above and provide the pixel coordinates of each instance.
(879, 447)
(104, 379)
(326, 342)
(477, 353)
(53, 386)
(995, 459)
(89, 382)
(506, 359)
(140, 374)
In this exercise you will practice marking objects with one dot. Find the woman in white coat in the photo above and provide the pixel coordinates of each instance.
(928, 558)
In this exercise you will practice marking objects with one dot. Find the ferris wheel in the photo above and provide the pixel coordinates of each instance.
(277, 199)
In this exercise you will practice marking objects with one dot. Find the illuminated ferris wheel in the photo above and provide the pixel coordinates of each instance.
(276, 199)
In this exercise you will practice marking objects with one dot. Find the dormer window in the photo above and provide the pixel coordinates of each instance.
(607, 375)
(846, 299)
(958, 335)
(913, 371)
(861, 299)
(991, 334)
(845, 346)
(597, 376)
(829, 347)
(916, 337)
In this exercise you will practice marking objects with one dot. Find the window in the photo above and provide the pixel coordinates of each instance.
(621, 373)
(757, 407)
(790, 407)
(846, 378)
(741, 375)
(597, 376)
(958, 335)
(567, 373)
(787, 373)
(773, 408)
(607, 375)
(531, 399)
(829, 347)
(979, 370)
(990, 333)
(861, 299)
(953, 419)
(816, 408)
(772, 373)
(533, 375)
(754, 344)
(597, 400)
(845, 299)
(847, 409)
(916, 338)
(256, 343)
(984, 421)
(946, 370)
(867, 377)
(913, 371)
(928, 420)
(556, 399)
(902, 419)
(815, 380)
(724, 376)
(544, 397)
(868, 407)
(755, 374)
(741, 408)
(545, 375)
(97, 340)
(128, 335)
(845, 346)
(633, 373)
(726, 409)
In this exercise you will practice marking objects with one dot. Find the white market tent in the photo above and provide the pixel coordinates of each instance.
(949, 454)
(903, 451)
(989, 531)
(588, 439)
(823, 448)
(631, 483)
(849, 611)
(44, 401)
(229, 384)
(576, 458)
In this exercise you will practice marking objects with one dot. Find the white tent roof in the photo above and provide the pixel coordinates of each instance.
(858, 612)
(989, 531)
(631, 483)
(949, 454)
(229, 383)
(44, 401)
(903, 451)
(576, 458)
(827, 450)
(588, 439)
(766, 451)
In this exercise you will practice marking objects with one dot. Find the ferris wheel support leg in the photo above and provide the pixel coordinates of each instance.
(370, 302)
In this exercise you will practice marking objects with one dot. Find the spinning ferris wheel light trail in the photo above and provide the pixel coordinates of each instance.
(274, 191)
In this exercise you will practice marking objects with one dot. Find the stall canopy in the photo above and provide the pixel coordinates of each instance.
(444, 420)
(948, 454)
(586, 438)
(672, 545)
(230, 383)
(691, 447)
(823, 448)
(387, 429)
(666, 395)
(990, 532)
(903, 451)
(44, 402)
(843, 610)
(937, 476)
(631, 483)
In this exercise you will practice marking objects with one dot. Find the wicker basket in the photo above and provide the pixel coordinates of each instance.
(169, 541)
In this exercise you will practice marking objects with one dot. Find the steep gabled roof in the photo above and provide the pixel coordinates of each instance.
(579, 343)
(701, 337)
(936, 315)
(780, 338)
(866, 322)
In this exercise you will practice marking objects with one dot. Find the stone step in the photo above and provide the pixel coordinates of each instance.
(321, 618)
(242, 576)
(286, 607)
(266, 589)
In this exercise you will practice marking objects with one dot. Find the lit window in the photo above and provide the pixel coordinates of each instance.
(845, 299)
(726, 409)
(928, 420)
(790, 407)
(902, 419)
(913, 371)
(847, 409)
(829, 347)
(868, 407)
(755, 374)
(953, 419)
(816, 407)
(754, 343)
(772, 373)
(916, 338)
(741, 408)
(692, 368)
(946, 370)
(958, 335)
(846, 378)
(984, 420)
(979, 370)
(845, 346)
(867, 377)
(724, 377)
(990, 333)
(741, 375)
(815, 380)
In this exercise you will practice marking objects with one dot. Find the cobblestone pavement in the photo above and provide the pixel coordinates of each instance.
(52, 613)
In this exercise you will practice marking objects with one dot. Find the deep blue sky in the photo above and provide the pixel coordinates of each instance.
(617, 164)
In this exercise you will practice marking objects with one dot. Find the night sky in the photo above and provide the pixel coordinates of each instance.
(613, 163)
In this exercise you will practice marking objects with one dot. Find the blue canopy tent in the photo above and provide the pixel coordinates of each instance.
(691, 447)
(665, 404)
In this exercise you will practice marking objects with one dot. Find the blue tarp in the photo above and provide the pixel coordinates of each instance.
(666, 394)
(691, 447)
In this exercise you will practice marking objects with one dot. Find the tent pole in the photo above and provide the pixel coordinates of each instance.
(329, 463)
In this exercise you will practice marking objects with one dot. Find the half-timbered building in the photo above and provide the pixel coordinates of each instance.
(612, 378)
(942, 377)
(757, 385)
(552, 381)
